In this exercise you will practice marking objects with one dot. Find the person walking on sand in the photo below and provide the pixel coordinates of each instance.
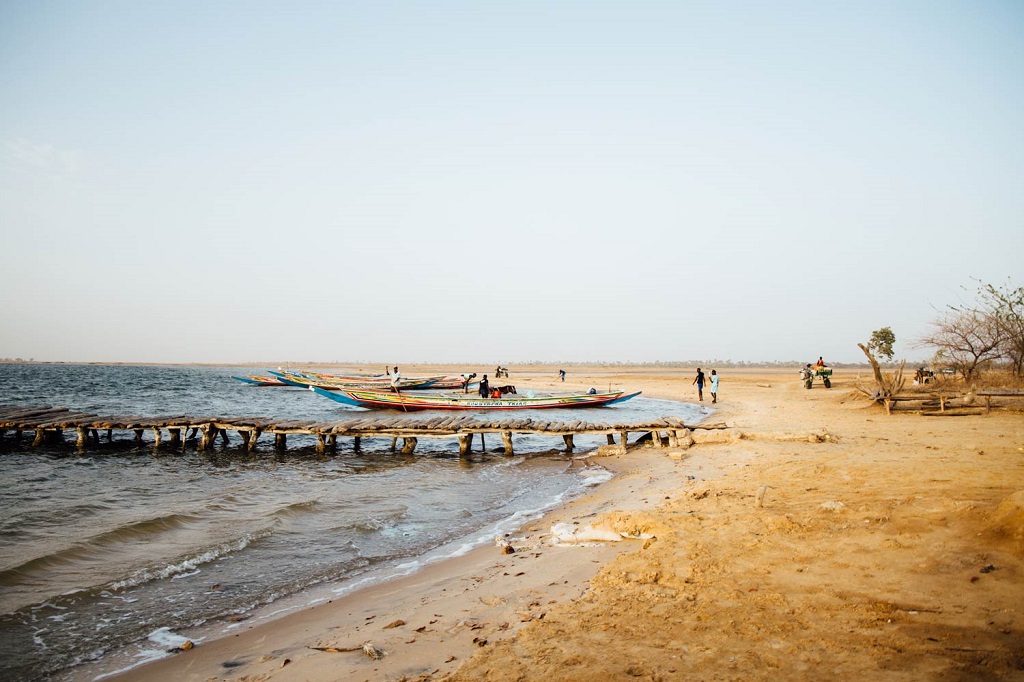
(699, 381)
(714, 386)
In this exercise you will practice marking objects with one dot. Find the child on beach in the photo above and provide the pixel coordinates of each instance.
(714, 386)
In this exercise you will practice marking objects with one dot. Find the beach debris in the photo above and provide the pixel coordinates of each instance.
(504, 545)
(449, 659)
(479, 641)
(336, 649)
(759, 496)
(373, 652)
(564, 533)
(833, 505)
(187, 645)
(285, 662)
(394, 624)
(988, 569)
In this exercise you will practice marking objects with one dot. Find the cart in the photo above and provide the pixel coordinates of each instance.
(808, 373)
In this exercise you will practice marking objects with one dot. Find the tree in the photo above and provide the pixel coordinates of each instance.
(881, 342)
(887, 385)
(1005, 305)
(968, 338)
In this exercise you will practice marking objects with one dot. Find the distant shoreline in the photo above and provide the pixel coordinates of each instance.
(687, 365)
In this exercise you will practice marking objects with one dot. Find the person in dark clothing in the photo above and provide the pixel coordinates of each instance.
(699, 381)
(484, 387)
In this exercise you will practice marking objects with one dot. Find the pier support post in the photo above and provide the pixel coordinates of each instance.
(250, 444)
(357, 443)
(673, 438)
(685, 439)
(209, 435)
(656, 438)
(333, 442)
(321, 443)
(83, 437)
(506, 438)
(175, 437)
(138, 436)
(394, 444)
(611, 439)
(408, 445)
(224, 436)
(156, 436)
(465, 444)
(38, 440)
(623, 439)
(568, 441)
(280, 441)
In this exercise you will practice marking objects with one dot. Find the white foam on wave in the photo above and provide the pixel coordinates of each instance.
(189, 566)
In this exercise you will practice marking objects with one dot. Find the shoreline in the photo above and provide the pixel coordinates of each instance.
(484, 593)
(819, 536)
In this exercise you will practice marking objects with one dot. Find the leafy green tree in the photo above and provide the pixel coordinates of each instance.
(881, 342)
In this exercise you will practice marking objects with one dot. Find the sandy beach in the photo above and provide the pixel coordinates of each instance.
(816, 537)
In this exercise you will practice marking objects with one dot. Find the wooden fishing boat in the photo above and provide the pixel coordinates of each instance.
(450, 383)
(307, 379)
(255, 380)
(458, 401)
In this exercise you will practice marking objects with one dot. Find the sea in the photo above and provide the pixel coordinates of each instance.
(114, 556)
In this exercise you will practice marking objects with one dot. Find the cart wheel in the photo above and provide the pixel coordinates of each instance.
(828, 384)
(807, 384)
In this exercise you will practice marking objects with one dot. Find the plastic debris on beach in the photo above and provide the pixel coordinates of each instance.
(569, 534)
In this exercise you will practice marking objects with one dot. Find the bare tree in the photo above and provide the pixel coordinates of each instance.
(1005, 305)
(968, 338)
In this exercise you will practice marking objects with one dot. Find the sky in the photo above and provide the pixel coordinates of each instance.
(487, 182)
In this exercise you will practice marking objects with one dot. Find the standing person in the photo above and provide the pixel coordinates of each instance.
(714, 386)
(699, 380)
(561, 374)
(395, 378)
(484, 387)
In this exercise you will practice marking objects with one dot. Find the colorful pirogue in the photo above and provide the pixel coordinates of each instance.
(334, 382)
(402, 401)
(256, 380)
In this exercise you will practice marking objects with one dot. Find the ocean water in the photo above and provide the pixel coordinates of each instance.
(110, 557)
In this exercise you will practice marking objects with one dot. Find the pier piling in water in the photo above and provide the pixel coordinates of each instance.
(49, 424)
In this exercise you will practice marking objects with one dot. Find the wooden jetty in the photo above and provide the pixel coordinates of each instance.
(48, 425)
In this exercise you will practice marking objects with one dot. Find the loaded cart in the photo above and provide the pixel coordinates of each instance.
(808, 373)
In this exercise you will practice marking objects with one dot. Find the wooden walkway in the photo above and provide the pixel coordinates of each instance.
(49, 424)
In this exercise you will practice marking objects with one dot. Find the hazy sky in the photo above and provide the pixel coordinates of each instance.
(501, 182)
